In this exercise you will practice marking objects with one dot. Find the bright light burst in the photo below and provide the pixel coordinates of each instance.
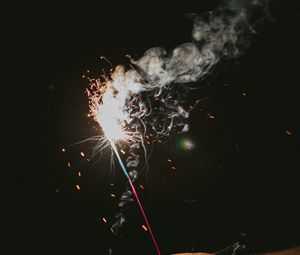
(108, 100)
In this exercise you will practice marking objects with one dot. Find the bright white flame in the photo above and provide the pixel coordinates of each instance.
(108, 103)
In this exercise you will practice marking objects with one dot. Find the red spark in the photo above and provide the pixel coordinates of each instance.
(169, 160)
(142, 187)
(148, 142)
(82, 154)
(211, 117)
(123, 152)
(145, 228)
(159, 141)
(288, 132)
(173, 167)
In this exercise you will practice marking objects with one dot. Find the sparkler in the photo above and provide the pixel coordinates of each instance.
(128, 102)
(107, 104)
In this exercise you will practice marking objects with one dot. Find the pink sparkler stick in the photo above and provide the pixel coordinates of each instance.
(136, 197)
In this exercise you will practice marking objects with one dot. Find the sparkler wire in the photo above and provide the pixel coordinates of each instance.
(136, 196)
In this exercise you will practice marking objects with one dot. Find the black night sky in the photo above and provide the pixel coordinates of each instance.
(240, 183)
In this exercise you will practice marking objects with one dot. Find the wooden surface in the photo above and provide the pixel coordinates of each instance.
(293, 251)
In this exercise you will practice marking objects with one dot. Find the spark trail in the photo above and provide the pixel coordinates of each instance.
(136, 196)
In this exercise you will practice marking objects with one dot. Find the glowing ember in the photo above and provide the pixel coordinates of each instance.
(145, 228)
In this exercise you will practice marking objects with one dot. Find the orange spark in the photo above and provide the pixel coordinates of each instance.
(123, 152)
(288, 132)
(104, 220)
(82, 154)
(112, 195)
(144, 227)
(169, 160)
(79, 174)
(77, 187)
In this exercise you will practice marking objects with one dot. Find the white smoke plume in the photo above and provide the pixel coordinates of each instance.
(128, 103)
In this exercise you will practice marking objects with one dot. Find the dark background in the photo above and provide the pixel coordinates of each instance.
(240, 183)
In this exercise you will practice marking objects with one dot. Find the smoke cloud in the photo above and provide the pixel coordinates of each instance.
(223, 33)
(120, 101)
